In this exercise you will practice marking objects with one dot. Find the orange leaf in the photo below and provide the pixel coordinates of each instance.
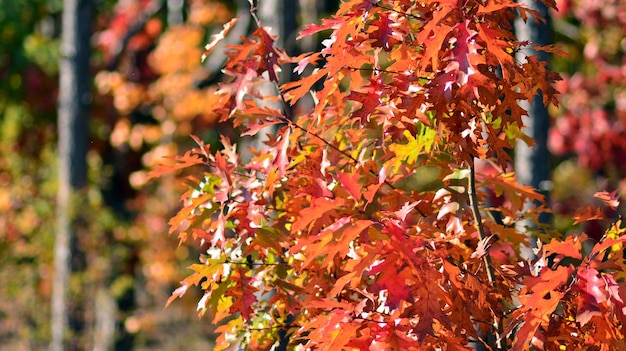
(176, 163)
(341, 246)
(351, 183)
(319, 208)
(193, 279)
(605, 244)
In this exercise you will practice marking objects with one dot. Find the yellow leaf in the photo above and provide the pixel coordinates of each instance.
(410, 152)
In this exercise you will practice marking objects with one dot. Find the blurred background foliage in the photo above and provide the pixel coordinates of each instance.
(150, 92)
(588, 133)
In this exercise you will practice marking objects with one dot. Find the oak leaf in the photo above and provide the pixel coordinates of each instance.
(216, 38)
(319, 207)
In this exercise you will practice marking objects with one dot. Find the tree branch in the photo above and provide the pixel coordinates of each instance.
(289, 120)
(473, 199)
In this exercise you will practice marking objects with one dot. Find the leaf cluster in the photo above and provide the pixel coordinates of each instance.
(322, 235)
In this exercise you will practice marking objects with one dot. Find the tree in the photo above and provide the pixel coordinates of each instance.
(532, 162)
(364, 217)
(74, 99)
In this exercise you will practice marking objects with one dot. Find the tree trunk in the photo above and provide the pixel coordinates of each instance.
(280, 16)
(532, 164)
(106, 313)
(74, 98)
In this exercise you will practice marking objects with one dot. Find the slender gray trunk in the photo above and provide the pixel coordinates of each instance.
(106, 313)
(174, 12)
(281, 17)
(532, 164)
(74, 98)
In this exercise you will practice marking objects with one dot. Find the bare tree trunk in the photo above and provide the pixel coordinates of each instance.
(532, 165)
(74, 97)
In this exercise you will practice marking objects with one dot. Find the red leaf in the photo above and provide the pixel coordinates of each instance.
(413, 105)
(465, 55)
(432, 37)
(398, 340)
(616, 294)
(341, 244)
(327, 23)
(429, 309)
(370, 192)
(593, 294)
(533, 317)
(268, 53)
(593, 285)
(497, 45)
(393, 280)
(369, 102)
(539, 298)
(385, 35)
(243, 293)
(369, 98)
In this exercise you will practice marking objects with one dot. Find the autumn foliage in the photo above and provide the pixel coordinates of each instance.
(367, 220)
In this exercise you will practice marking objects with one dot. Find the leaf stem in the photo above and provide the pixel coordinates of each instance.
(473, 199)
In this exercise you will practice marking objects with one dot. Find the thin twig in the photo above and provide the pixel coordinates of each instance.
(293, 124)
(381, 70)
(289, 120)
(471, 192)
(398, 12)
(255, 264)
